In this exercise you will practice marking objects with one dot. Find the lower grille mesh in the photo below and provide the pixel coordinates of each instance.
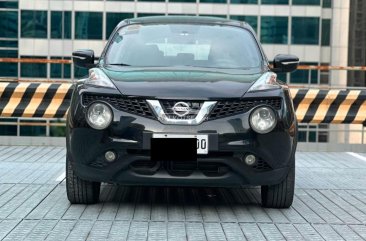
(228, 108)
(131, 105)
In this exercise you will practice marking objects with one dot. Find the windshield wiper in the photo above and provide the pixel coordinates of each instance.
(121, 64)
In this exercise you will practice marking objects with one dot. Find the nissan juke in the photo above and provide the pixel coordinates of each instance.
(182, 101)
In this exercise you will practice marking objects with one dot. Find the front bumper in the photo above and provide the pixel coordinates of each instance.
(213, 172)
(230, 139)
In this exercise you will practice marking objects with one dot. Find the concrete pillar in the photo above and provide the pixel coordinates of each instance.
(339, 57)
(339, 41)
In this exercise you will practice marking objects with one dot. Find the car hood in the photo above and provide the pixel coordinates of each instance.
(183, 84)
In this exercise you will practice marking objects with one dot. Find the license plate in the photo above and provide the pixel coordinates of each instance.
(202, 140)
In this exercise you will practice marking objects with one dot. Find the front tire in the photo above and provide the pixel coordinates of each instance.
(80, 191)
(280, 195)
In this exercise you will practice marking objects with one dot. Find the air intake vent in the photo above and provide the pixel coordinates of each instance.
(261, 166)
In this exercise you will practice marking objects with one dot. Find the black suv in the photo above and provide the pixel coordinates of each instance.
(182, 101)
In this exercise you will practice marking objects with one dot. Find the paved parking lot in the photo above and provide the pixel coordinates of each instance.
(330, 204)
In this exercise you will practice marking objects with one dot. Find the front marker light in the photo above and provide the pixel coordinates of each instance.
(97, 77)
(263, 120)
(267, 81)
(99, 116)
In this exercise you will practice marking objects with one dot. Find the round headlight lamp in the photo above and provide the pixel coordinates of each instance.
(263, 120)
(99, 116)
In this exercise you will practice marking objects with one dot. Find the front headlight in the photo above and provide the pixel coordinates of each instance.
(263, 120)
(266, 82)
(99, 116)
(98, 78)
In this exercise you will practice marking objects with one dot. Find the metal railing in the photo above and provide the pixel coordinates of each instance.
(324, 133)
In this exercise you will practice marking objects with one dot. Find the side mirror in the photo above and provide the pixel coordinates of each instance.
(285, 63)
(83, 58)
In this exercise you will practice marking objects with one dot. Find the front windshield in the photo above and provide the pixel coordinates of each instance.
(168, 45)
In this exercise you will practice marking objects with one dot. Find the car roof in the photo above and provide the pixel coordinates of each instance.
(184, 20)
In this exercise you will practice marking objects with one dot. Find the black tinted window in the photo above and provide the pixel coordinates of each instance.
(184, 45)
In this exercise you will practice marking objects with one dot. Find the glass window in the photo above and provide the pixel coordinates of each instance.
(251, 20)
(67, 71)
(34, 24)
(327, 3)
(325, 32)
(149, 14)
(181, 14)
(9, 43)
(282, 77)
(58, 131)
(245, 1)
(301, 136)
(29, 130)
(305, 30)
(213, 15)
(56, 25)
(213, 1)
(203, 46)
(302, 76)
(5, 53)
(56, 69)
(60, 71)
(274, 30)
(9, 24)
(80, 72)
(60, 25)
(8, 69)
(306, 2)
(324, 75)
(274, 1)
(151, 0)
(113, 20)
(323, 132)
(183, 1)
(33, 70)
(312, 136)
(8, 130)
(9, 4)
(88, 25)
(313, 133)
(67, 25)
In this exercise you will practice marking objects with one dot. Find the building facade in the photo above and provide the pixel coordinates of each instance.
(54, 28)
(314, 30)
(357, 42)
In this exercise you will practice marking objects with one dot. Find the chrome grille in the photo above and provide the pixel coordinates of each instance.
(194, 106)
(132, 105)
(234, 107)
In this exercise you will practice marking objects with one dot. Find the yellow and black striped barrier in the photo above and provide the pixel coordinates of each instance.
(52, 100)
(41, 100)
(330, 106)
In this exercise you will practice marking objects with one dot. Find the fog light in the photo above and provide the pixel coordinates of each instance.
(110, 156)
(250, 159)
